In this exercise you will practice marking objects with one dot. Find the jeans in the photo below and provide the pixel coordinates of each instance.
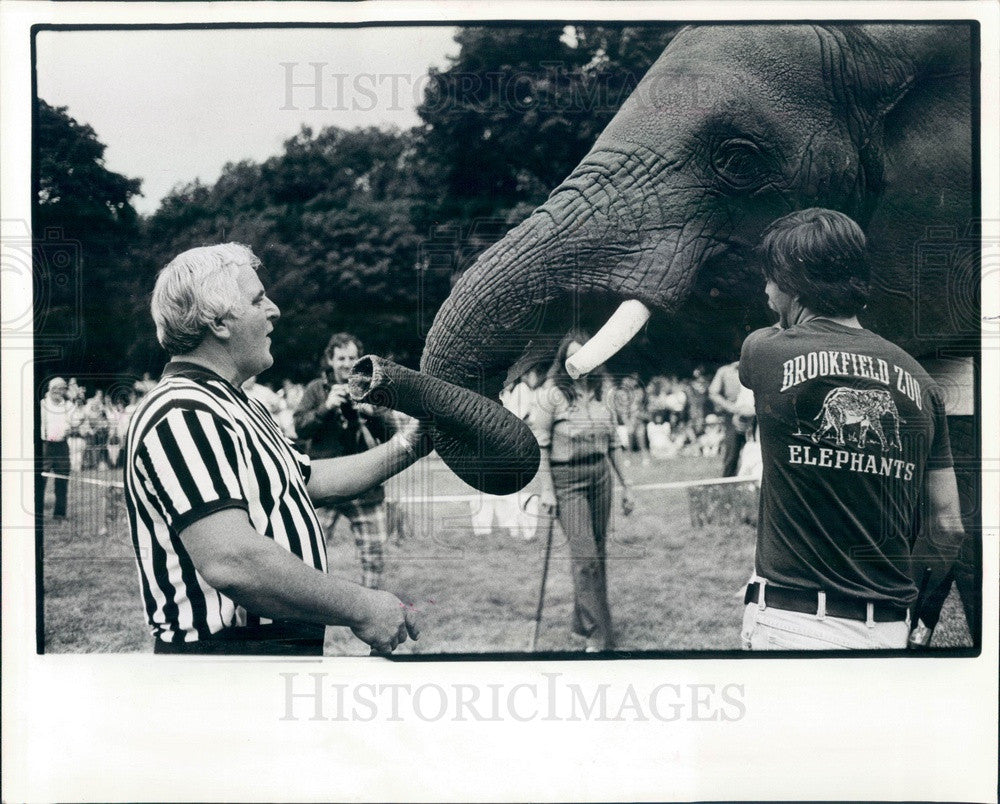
(777, 629)
(733, 440)
(583, 493)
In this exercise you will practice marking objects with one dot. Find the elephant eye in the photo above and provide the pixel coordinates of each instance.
(740, 164)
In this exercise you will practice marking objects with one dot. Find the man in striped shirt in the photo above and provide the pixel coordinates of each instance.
(230, 553)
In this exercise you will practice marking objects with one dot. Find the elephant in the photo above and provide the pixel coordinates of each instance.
(732, 127)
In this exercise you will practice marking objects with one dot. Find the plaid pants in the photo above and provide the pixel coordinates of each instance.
(370, 526)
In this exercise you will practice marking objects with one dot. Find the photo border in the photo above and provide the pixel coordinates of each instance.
(95, 727)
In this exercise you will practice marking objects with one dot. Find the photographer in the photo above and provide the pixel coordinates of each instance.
(334, 426)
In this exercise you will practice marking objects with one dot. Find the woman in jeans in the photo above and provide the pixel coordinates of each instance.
(577, 434)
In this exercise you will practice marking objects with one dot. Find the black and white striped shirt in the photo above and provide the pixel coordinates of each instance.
(197, 445)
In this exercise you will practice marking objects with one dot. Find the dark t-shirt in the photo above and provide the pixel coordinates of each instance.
(849, 423)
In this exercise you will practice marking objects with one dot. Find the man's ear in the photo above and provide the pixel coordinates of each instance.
(219, 328)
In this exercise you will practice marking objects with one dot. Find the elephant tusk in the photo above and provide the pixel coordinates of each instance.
(623, 325)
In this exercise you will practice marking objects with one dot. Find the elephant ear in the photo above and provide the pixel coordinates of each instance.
(923, 193)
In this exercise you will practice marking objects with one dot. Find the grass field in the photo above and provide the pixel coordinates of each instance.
(672, 586)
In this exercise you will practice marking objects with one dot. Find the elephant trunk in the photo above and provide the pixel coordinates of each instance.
(496, 307)
(482, 442)
(572, 262)
(584, 251)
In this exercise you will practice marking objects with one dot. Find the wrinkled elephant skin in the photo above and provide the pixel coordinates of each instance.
(732, 127)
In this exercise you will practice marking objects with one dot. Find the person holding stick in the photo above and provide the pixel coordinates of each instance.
(230, 551)
(577, 434)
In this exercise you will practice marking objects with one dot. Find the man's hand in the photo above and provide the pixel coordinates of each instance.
(547, 500)
(338, 396)
(388, 624)
(266, 579)
(414, 435)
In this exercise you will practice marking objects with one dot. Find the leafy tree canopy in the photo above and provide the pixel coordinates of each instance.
(330, 218)
(86, 229)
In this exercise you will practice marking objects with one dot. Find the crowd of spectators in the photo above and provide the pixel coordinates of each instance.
(670, 415)
(662, 418)
(96, 424)
(97, 421)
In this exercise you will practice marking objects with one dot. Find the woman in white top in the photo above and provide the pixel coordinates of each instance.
(577, 433)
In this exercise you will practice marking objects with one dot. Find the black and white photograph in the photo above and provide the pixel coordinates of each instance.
(382, 375)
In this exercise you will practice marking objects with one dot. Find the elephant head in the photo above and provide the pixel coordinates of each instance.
(732, 127)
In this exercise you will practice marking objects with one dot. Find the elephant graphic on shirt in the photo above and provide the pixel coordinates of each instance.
(865, 408)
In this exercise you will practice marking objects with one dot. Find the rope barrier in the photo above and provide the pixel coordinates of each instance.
(118, 484)
(103, 508)
(687, 484)
(677, 484)
(444, 498)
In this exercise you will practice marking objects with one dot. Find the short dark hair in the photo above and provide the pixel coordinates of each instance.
(338, 341)
(821, 256)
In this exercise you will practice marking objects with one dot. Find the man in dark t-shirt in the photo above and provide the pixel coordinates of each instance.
(854, 442)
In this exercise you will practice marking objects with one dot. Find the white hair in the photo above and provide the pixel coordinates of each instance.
(196, 288)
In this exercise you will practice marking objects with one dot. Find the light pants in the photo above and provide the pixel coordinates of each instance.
(516, 512)
(76, 446)
(777, 629)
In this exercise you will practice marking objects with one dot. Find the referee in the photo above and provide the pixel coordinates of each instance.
(231, 556)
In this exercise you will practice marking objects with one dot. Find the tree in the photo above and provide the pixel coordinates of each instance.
(514, 113)
(331, 219)
(85, 229)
